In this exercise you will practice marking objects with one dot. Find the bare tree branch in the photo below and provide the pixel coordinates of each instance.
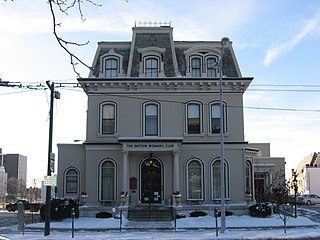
(64, 7)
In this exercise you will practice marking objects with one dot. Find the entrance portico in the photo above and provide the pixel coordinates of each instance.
(152, 187)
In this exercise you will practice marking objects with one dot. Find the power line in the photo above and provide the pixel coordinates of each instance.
(72, 86)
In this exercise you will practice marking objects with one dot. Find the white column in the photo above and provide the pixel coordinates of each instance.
(176, 186)
(125, 173)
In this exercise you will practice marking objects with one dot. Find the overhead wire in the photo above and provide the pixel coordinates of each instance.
(67, 86)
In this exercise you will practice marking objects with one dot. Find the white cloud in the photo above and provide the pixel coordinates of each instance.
(307, 29)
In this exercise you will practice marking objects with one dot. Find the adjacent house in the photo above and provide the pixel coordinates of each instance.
(153, 126)
(308, 174)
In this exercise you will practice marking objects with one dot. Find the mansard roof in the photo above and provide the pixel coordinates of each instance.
(174, 55)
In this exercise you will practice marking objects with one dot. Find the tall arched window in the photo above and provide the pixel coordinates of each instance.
(108, 118)
(196, 67)
(107, 181)
(194, 180)
(248, 176)
(215, 117)
(216, 179)
(152, 67)
(151, 120)
(193, 118)
(71, 181)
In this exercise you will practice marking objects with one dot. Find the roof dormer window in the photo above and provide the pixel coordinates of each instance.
(212, 67)
(111, 69)
(196, 67)
(111, 65)
(151, 62)
(151, 67)
(202, 61)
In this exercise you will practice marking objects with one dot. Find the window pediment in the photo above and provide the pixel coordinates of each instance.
(151, 50)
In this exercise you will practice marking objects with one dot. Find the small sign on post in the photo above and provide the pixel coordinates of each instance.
(52, 160)
(50, 181)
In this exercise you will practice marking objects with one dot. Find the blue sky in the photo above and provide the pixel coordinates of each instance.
(277, 42)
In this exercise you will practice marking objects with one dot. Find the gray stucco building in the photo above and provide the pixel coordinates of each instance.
(153, 125)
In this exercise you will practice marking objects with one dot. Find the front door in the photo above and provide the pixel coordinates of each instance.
(151, 181)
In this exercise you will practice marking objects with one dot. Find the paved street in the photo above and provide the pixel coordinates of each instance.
(9, 219)
(312, 212)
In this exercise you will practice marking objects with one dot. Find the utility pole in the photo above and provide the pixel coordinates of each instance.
(224, 42)
(53, 94)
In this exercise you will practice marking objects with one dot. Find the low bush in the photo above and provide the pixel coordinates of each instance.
(198, 214)
(103, 215)
(260, 210)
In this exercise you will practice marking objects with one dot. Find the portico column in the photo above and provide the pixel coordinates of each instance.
(125, 174)
(176, 186)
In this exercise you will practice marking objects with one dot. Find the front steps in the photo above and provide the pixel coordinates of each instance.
(150, 214)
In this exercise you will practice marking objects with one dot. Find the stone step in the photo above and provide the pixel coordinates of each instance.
(149, 225)
(152, 214)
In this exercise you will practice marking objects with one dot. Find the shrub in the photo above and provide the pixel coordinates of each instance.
(180, 215)
(198, 214)
(103, 215)
(260, 210)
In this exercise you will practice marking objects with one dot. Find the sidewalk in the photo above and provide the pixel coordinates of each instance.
(189, 223)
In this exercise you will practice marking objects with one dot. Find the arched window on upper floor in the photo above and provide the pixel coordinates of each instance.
(111, 65)
(151, 67)
(212, 66)
(196, 66)
(151, 119)
(202, 61)
(151, 62)
(194, 118)
(215, 117)
(194, 180)
(108, 118)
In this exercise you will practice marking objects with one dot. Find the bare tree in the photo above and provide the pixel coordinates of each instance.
(65, 6)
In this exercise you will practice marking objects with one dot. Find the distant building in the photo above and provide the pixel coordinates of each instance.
(3, 179)
(308, 174)
(16, 167)
(153, 127)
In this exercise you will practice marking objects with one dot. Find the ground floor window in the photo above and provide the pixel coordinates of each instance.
(72, 181)
(216, 179)
(195, 180)
(107, 181)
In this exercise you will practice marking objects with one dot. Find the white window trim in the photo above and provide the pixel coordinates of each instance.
(65, 183)
(227, 184)
(201, 118)
(225, 119)
(151, 52)
(144, 119)
(99, 185)
(202, 179)
(206, 64)
(100, 114)
(251, 174)
(114, 55)
(196, 52)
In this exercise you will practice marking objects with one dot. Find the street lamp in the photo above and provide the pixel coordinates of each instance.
(224, 42)
(295, 188)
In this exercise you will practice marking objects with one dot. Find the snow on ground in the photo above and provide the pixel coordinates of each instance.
(238, 227)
